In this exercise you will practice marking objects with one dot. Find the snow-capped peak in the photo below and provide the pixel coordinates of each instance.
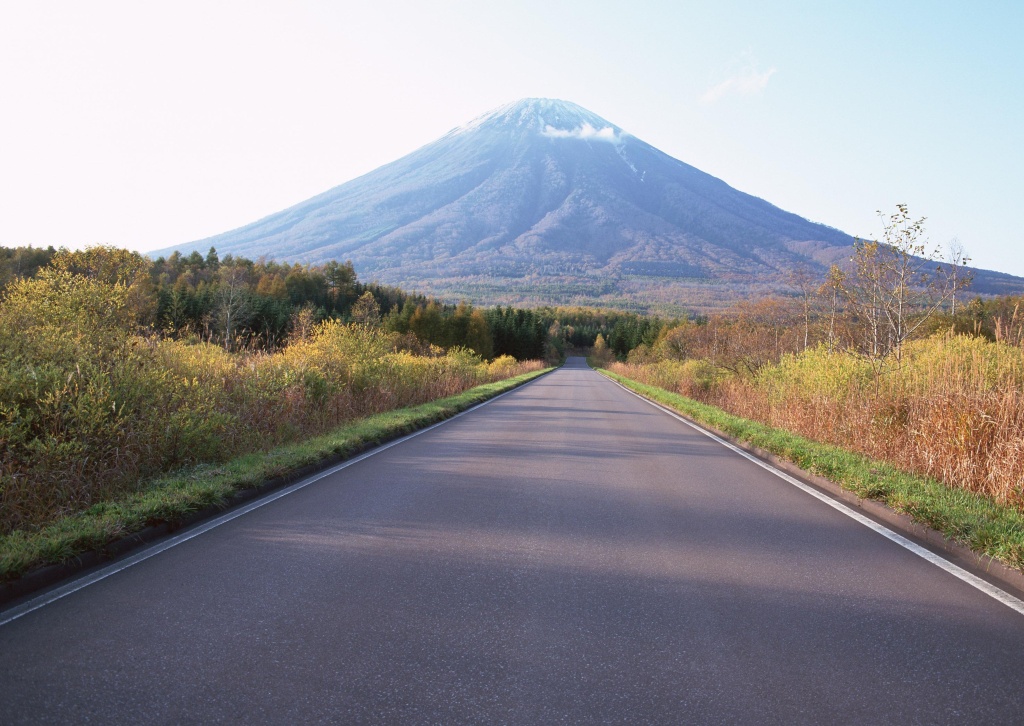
(548, 117)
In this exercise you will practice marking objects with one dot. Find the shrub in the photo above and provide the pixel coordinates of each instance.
(90, 410)
(952, 408)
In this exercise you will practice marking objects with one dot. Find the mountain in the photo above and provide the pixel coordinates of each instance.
(542, 201)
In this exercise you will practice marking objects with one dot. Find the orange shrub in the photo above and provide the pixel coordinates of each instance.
(953, 409)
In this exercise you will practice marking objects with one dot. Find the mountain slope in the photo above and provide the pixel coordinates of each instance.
(543, 201)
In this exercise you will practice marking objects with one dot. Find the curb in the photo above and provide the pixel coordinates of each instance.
(984, 566)
(45, 576)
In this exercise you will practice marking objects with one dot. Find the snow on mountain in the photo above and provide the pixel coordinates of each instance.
(543, 201)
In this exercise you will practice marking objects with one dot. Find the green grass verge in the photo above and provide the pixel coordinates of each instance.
(979, 522)
(177, 495)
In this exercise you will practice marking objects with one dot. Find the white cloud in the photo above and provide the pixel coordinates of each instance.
(746, 80)
(586, 131)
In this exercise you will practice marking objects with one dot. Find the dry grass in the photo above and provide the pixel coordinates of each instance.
(177, 495)
(89, 411)
(953, 410)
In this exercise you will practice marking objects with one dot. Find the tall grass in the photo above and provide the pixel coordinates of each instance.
(89, 409)
(953, 409)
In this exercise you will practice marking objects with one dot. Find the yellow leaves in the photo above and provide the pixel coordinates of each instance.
(501, 367)
(110, 265)
(84, 400)
(954, 408)
(272, 285)
(59, 314)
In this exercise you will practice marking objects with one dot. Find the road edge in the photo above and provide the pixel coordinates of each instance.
(15, 593)
(983, 566)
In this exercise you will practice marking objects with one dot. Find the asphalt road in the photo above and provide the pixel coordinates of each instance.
(565, 554)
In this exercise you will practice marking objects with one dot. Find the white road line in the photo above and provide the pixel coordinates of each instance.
(153, 551)
(974, 581)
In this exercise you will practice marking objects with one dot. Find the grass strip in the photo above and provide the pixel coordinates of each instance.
(172, 497)
(971, 519)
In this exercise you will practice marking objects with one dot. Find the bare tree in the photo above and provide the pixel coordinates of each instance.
(898, 283)
(233, 305)
(803, 282)
(831, 290)
(957, 259)
(863, 292)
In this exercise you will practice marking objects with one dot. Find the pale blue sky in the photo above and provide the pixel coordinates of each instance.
(145, 126)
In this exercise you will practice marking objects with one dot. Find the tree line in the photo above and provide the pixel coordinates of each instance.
(240, 303)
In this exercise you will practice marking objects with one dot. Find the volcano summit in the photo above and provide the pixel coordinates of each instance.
(542, 201)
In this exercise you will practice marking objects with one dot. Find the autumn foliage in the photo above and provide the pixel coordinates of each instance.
(93, 402)
(952, 408)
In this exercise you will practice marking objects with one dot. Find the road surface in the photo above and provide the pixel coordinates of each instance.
(564, 554)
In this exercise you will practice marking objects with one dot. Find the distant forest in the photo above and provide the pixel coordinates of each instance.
(259, 305)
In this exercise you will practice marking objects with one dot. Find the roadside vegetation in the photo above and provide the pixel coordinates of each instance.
(116, 372)
(171, 497)
(103, 389)
(953, 409)
(884, 360)
(976, 520)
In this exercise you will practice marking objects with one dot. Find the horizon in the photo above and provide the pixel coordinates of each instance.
(149, 128)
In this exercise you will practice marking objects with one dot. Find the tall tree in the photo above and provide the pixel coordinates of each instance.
(366, 311)
(232, 308)
(957, 259)
(832, 290)
(803, 282)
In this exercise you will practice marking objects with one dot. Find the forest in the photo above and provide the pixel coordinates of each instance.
(115, 369)
(239, 304)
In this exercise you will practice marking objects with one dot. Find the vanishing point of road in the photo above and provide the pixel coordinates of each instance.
(566, 553)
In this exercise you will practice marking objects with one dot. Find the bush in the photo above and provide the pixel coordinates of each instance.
(952, 408)
(90, 410)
